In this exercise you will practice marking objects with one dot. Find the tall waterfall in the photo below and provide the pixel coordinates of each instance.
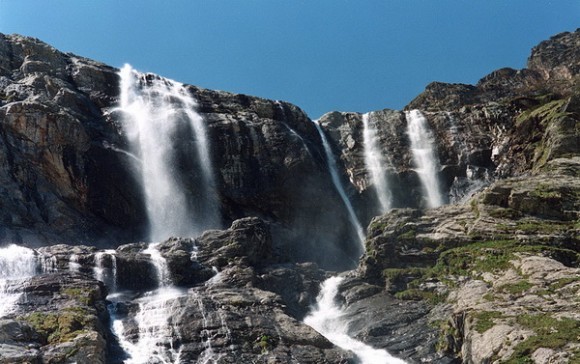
(327, 319)
(159, 120)
(338, 185)
(376, 164)
(426, 163)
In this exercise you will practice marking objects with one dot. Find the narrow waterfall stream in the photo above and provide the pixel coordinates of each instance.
(328, 319)
(157, 339)
(375, 164)
(103, 274)
(16, 264)
(331, 161)
(424, 158)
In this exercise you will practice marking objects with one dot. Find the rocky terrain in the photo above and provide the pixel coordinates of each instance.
(491, 276)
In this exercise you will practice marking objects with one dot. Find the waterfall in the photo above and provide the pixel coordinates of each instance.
(106, 275)
(331, 161)
(327, 319)
(376, 164)
(162, 127)
(157, 338)
(156, 113)
(160, 264)
(73, 263)
(208, 355)
(17, 264)
(424, 158)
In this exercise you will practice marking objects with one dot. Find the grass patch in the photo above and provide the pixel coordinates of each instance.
(562, 282)
(515, 288)
(409, 234)
(485, 320)
(546, 191)
(474, 259)
(401, 273)
(551, 333)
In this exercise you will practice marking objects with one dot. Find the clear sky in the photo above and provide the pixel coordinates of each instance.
(323, 55)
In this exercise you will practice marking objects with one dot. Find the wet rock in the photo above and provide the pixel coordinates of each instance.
(60, 317)
(249, 238)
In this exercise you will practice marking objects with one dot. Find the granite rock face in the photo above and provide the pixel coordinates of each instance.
(60, 180)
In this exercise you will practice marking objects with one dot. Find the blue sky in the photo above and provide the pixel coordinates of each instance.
(323, 55)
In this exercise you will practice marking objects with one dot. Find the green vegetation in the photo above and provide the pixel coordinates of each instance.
(395, 274)
(61, 327)
(86, 297)
(410, 234)
(516, 288)
(549, 112)
(265, 343)
(484, 320)
(562, 282)
(551, 332)
(470, 261)
(546, 191)
(474, 259)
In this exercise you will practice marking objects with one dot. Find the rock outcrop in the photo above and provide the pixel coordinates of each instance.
(61, 318)
(229, 303)
(501, 270)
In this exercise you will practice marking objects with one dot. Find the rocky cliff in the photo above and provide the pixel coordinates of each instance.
(490, 276)
(66, 176)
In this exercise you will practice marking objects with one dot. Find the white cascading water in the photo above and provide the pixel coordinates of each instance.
(376, 164)
(331, 161)
(155, 112)
(73, 263)
(157, 336)
(208, 355)
(328, 319)
(17, 264)
(106, 275)
(426, 163)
